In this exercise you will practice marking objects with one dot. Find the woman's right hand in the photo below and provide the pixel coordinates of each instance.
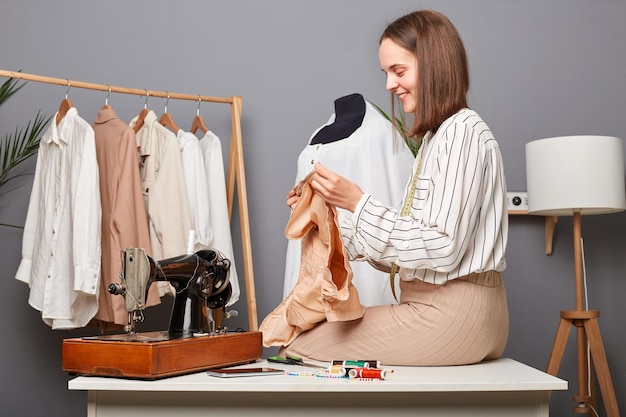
(336, 190)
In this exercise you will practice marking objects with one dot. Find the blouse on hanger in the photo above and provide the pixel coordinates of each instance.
(197, 188)
(61, 240)
(218, 206)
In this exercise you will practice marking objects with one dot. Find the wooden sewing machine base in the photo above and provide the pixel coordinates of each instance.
(153, 355)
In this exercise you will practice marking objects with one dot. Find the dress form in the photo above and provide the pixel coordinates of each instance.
(371, 157)
(349, 114)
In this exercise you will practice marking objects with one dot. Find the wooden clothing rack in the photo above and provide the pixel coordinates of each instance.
(235, 170)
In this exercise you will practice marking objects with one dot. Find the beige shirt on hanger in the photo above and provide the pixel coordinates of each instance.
(164, 188)
(124, 219)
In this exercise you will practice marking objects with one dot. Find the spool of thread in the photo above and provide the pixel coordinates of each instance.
(369, 373)
(357, 363)
(191, 241)
(337, 370)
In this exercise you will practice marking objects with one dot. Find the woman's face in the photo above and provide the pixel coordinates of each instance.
(400, 67)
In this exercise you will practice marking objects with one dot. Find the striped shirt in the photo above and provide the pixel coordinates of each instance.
(458, 221)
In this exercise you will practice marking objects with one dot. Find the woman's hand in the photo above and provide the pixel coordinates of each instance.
(334, 189)
(292, 198)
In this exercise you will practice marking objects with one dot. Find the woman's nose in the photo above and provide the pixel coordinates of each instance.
(391, 84)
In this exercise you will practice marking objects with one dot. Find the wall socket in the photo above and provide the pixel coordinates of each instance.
(517, 200)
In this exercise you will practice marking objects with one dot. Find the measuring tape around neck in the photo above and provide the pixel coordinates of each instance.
(406, 209)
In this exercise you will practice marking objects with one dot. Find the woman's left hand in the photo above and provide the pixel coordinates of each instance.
(292, 198)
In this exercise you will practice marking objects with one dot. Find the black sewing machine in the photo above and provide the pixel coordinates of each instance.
(200, 281)
(192, 343)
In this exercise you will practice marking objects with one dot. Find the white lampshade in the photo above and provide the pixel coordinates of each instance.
(575, 173)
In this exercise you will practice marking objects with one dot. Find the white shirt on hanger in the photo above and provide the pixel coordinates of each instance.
(218, 206)
(197, 188)
(380, 165)
(61, 242)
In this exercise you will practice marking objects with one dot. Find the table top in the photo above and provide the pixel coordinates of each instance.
(497, 375)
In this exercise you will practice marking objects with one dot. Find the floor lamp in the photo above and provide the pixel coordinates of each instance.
(576, 176)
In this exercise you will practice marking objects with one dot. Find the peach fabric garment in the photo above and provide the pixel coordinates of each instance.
(324, 290)
(461, 322)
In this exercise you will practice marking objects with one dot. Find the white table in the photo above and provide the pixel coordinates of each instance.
(497, 388)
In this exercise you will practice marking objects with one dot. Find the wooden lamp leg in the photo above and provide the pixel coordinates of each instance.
(558, 348)
(601, 366)
(587, 322)
(588, 337)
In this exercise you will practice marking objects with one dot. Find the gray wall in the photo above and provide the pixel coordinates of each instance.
(538, 68)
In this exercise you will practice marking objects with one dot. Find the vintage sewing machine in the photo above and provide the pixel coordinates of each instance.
(193, 342)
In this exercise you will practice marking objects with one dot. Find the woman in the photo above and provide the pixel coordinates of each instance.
(449, 239)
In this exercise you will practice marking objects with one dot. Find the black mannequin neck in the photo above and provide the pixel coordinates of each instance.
(349, 114)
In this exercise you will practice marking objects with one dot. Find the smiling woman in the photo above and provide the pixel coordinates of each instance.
(448, 241)
(400, 67)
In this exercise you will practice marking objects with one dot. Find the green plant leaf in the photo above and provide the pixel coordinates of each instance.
(19, 146)
(8, 88)
(400, 123)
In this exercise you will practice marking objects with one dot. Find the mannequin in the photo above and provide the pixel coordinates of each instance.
(349, 114)
(357, 142)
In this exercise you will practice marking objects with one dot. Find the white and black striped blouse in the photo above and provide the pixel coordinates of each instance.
(458, 222)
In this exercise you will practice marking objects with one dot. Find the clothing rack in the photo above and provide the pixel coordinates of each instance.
(235, 170)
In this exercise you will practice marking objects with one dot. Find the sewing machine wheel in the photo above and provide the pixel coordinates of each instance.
(218, 271)
(220, 300)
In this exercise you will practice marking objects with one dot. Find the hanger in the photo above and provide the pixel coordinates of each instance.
(142, 114)
(66, 104)
(198, 122)
(106, 100)
(166, 120)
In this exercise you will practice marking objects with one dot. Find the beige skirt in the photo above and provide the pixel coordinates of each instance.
(461, 322)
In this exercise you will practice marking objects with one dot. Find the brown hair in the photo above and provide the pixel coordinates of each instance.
(442, 69)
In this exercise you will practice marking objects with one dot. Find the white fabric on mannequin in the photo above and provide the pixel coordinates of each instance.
(380, 165)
